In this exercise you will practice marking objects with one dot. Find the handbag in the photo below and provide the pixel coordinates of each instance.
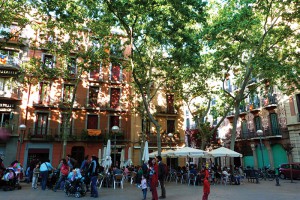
(49, 170)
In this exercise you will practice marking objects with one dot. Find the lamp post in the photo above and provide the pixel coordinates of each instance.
(115, 130)
(260, 133)
(22, 128)
(170, 135)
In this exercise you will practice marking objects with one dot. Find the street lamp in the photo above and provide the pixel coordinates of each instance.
(170, 135)
(115, 130)
(22, 128)
(260, 133)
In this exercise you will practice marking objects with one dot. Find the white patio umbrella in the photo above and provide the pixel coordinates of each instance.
(190, 152)
(224, 152)
(168, 153)
(129, 161)
(153, 154)
(103, 157)
(107, 161)
(99, 156)
(145, 157)
(122, 159)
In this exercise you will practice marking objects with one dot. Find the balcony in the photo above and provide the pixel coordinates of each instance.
(270, 102)
(9, 61)
(57, 135)
(268, 133)
(106, 78)
(166, 111)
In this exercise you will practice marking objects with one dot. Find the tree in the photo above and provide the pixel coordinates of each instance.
(14, 18)
(157, 33)
(68, 32)
(249, 38)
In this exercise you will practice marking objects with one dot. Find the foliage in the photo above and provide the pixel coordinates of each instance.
(249, 38)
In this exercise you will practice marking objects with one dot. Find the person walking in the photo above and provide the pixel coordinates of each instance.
(206, 188)
(161, 176)
(93, 173)
(45, 168)
(153, 177)
(64, 171)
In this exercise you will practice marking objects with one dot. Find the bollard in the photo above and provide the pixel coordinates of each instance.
(277, 180)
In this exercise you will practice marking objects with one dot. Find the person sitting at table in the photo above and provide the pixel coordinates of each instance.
(236, 176)
(225, 174)
(117, 171)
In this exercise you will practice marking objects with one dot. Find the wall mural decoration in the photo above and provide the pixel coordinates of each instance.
(250, 121)
(281, 115)
(264, 114)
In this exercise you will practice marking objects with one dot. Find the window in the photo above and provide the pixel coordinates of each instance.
(244, 129)
(8, 56)
(68, 93)
(170, 126)
(257, 122)
(72, 67)
(115, 97)
(298, 103)
(66, 128)
(93, 96)
(92, 122)
(146, 124)
(41, 124)
(44, 91)
(188, 123)
(2, 84)
(114, 121)
(4, 118)
(274, 124)
(228, 85)
(95, 71)
(48, 61)
(115, 72)
(170, 103)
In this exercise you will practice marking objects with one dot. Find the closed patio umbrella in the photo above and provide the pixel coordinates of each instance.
(145, 157)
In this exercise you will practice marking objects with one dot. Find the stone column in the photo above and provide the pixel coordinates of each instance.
(270, 153)
(254, 155)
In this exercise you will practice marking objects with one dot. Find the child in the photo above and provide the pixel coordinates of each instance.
(36, 172)
(144, 186)
(206, 188)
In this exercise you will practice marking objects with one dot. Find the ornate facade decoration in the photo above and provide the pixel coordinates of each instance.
(264, 118)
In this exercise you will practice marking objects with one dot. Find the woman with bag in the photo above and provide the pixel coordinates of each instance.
(44, 172)
(64, 171)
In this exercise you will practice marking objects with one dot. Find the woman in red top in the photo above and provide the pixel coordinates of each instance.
(153, 176)
(206, 189)
(64, 171)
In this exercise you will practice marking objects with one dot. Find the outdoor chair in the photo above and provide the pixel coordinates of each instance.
(184, 178)
(224, 179)
(132, 177)
(118, 179)
(192, 178)
(178, 177)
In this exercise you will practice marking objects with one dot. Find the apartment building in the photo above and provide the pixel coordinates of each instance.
(262, 129)
(36, 109)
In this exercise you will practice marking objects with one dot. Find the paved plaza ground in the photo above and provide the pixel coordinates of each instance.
(247, 191)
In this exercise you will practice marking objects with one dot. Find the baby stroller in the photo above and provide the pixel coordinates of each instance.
(75, 187)
(10, 180)
(75, 184)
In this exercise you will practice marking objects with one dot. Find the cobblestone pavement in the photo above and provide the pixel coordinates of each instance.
(247, 191)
